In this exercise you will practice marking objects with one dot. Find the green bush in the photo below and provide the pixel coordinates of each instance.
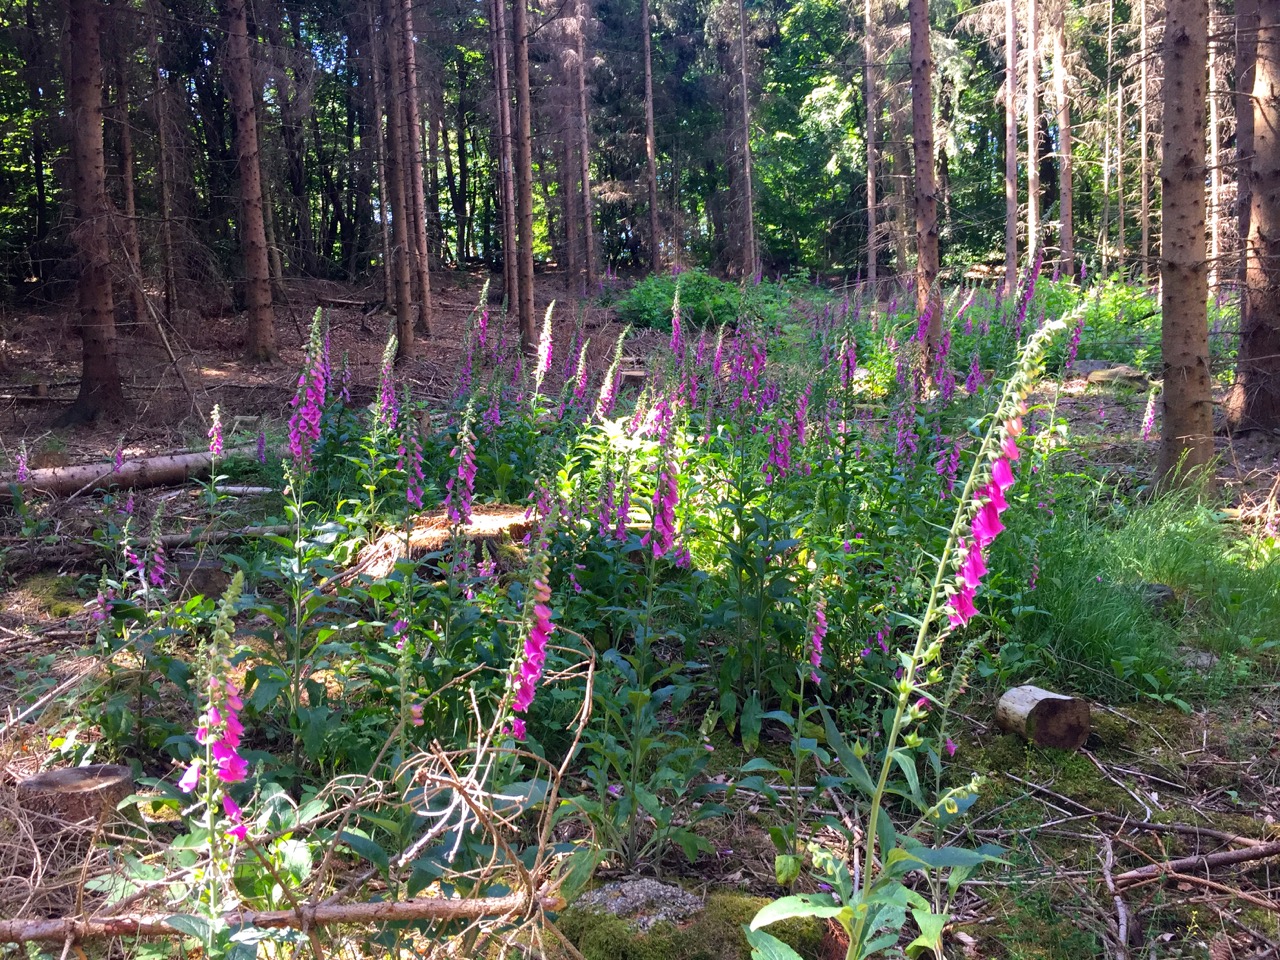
(704, 300)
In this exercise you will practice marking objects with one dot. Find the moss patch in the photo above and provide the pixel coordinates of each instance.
(54, 595)
(715, 934)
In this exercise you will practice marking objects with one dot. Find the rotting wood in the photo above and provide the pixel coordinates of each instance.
(164, 470)
(1208, 861)
(429, 532)
(73, 929)
(1046, 719)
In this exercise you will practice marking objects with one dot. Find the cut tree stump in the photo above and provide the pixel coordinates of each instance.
(1044, 718)
(74, 796)
(430, 532)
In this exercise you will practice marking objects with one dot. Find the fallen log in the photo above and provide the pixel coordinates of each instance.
(1208, 861)
(1046, 719)
(72, 929)
(162, 471)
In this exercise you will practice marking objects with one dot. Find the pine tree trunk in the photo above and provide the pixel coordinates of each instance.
(460, 212)
(260, 334)
(523, 298)
(1255, 398)
(375, 53)
(416, 197)
(1246, 74)
(1215, 160)
(1033, 133)
(100, 390)
(589, 264)
(1187, 430)
(928, 294)
(873, 145)
(397, 164)
(165, 176)
(132, 244)
(1121, 236)
(750, 257)
(1066, 194)
(507, 198)
(650, 146)
(1010, 148)
(1144, 138)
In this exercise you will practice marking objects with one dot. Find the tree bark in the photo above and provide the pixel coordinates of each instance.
(1010, 148)
(1044, 718)
(1246, 72)
(1066, 193)
(260, 333)
(100, 390)
(375, 51)
(506, 183)
(589, 264)
(1144, 138)
(1033, 133)
(523, 299)
(412, 132)
(1255, 398)
(165, 176)
(873, 146)
(650, 146)
(750, 258)
(928, 294)
(1121, 237)
(1187, 431)
(460, 212)
(1215, 158)
(397, 166)
(132, 244)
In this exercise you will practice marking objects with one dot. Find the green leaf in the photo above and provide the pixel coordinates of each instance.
(786, 869)
(765, 946)
(930, 938)
(852, 764)
(907, 762)
(801, 905)
(365, 848)
(750, 723)
(202, 928)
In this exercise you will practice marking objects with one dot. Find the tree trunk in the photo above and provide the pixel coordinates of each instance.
(523, 299)
(1255, 398)
(1187, 433)
(873, 146)
(260, 334)
(1215, 160)
(928, 294)
(750, 259)
(1066, 195)
(650, 146)
(1033, 133)
(165, 176)
(1044, 718)
(100, 390)
(460, 203)
(1104, 229)
(1121, 238)
(584, 153)
(1010, 148)
(507, 197)
(1144, 162)
(1246, 73)
(375, 52)
(416, 198)
(397, 165)
(132, 245)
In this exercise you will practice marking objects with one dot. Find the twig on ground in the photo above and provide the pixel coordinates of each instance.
(1207, 861)
(1122, 912)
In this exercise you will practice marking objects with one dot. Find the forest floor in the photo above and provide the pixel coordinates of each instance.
(1071, 822)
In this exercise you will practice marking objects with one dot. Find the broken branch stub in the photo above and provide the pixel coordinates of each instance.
(1046, 719)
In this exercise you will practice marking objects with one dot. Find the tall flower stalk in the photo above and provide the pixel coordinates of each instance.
(544, 351)
(950, 588)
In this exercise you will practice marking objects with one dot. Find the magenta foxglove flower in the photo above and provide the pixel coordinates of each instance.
(973, 567)
(239, 830)
(215, 432)
(816, 638)
(1002, 473)
(1149, 417)
(961, 606)
(665, 497)
(461, 487)
(535, 650)
(986, 525)
(23, 474)
(191, 778)
(262, 446)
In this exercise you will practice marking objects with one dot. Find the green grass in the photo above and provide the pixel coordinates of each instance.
(1089, 628)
